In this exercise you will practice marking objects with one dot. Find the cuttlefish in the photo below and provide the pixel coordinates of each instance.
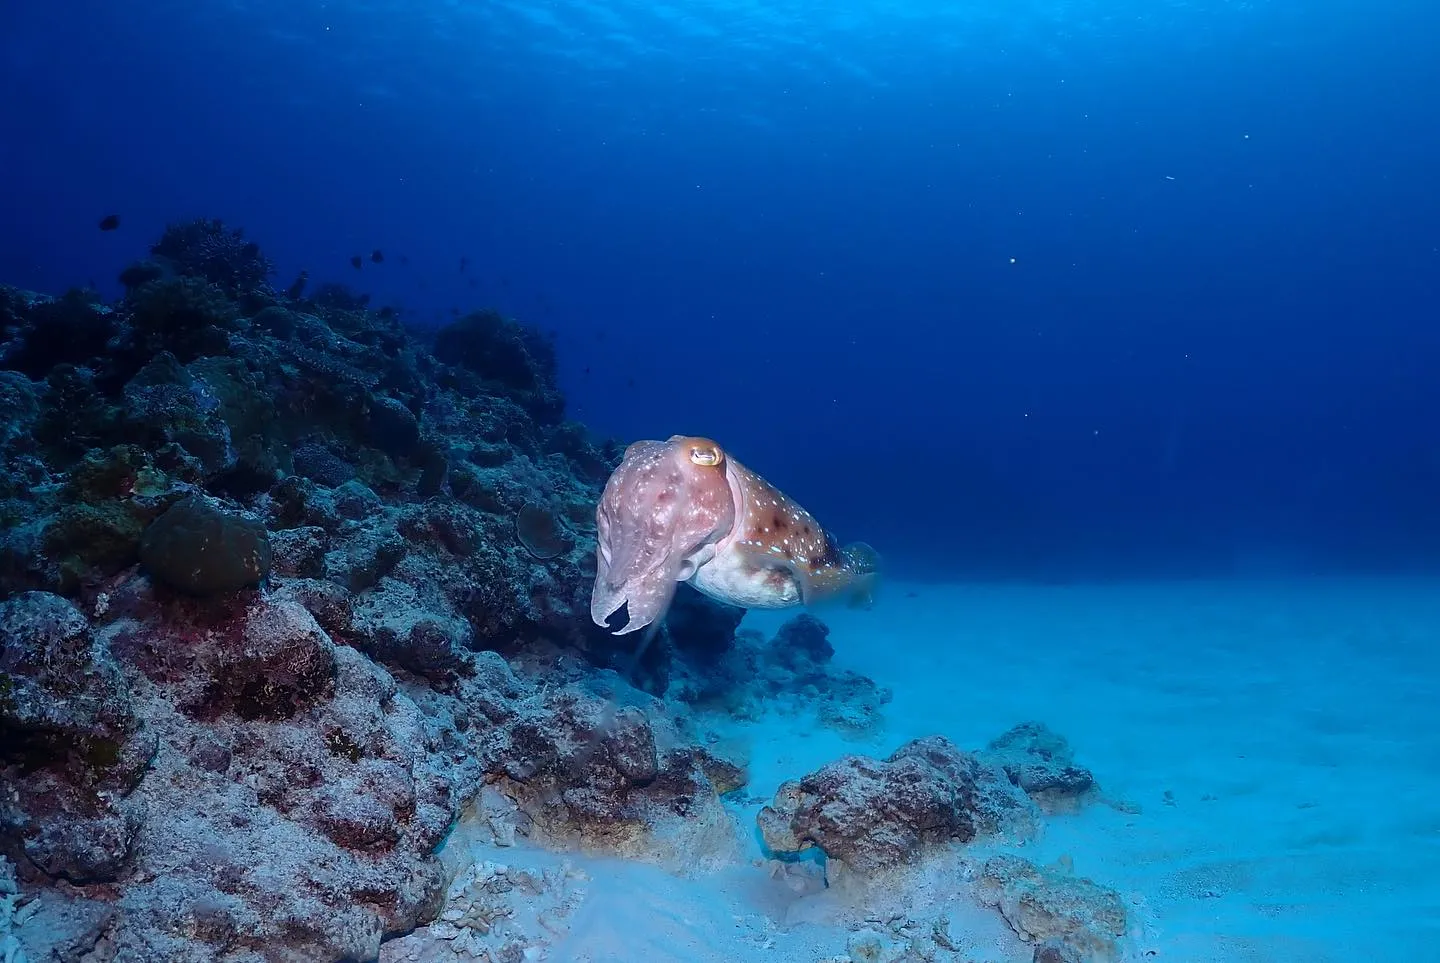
(683, 510)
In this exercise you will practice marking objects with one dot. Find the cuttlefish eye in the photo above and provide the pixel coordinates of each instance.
(707, 455)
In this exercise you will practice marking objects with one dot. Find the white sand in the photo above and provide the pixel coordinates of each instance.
(1278, 738)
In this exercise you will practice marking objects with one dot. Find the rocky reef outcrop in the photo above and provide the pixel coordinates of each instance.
(290, 595)
(1069, 917)
(877, 820)
(284, 589)
(873, 815)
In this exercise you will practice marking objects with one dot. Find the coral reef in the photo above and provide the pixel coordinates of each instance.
(873, 815)
(1072, 917)
(68, 721)
(745, 675)
(878, 821)
(220, 505)
(494, 911)
(612, 771)
(1041, 763)
(260, 555)
(208, 250)
(510, 359)
(43, 334)
(540, 532)
(198, 547)
(288, 599)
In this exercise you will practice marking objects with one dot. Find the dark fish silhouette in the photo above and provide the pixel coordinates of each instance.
(377, 256)
(109, 222)
(355, 262)
(464, 263)
(296, 290)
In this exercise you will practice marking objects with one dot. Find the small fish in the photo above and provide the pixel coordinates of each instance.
(296, 290)
(109, 222)
(355, 262)
(464, 264)
(377, 256)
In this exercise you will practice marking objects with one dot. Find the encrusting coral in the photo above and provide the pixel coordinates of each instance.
(198, 547)
(540, 532)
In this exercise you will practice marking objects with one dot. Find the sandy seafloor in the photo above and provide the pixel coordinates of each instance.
(1278, 738)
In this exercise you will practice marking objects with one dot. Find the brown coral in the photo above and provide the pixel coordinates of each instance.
(541, 532)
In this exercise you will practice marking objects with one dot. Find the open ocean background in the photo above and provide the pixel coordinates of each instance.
(1113, 325)
(1038, 289)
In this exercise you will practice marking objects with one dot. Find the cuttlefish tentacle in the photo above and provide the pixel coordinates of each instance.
(684, 510)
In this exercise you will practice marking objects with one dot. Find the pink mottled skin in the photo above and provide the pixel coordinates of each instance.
(684, 510)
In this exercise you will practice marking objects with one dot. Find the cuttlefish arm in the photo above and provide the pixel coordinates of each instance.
(683, 510)
(660, 517)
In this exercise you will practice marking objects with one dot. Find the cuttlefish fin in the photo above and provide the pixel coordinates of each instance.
(852, 575)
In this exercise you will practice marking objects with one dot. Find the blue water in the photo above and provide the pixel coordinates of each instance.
(1015, 289)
